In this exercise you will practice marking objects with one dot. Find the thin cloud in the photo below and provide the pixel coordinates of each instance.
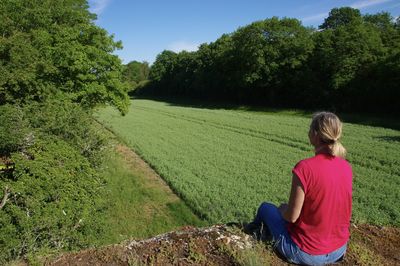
(315, 17)
(357, 5)
(98, 6)
(183, 46)
(368, 3)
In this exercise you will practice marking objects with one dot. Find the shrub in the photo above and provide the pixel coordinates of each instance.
(53, 197)
(70, 122)
(54, 193)
(13, 129)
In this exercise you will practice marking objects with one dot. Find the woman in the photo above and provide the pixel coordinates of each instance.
(313, 228)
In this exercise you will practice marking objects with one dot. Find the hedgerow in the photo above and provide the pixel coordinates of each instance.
(56, 66)
(54, 193)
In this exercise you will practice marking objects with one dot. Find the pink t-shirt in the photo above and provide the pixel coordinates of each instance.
(324, 221)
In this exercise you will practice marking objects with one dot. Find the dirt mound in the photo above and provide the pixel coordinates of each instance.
(187, 246)
(374, 245)
(223, 245)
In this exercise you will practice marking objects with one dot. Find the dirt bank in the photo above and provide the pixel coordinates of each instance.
(223, 245)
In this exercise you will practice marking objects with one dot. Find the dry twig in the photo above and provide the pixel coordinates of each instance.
(5, 197)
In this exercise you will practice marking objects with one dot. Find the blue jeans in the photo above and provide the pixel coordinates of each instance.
(269, 215)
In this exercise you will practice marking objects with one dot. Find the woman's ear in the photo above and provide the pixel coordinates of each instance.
(313, 137)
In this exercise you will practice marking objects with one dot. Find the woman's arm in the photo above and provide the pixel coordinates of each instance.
(291, 211)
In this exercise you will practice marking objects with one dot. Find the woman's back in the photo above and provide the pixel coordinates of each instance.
(323, 225)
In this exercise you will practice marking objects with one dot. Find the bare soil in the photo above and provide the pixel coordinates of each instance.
(222, 245)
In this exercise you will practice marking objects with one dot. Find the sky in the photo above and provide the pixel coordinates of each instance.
(148, 27)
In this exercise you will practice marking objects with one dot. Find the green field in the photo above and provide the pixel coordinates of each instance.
(224, 163)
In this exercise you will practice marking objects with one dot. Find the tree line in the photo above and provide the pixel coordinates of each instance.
(350, 63)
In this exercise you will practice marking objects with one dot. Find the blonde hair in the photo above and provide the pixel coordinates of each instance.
(328, 127)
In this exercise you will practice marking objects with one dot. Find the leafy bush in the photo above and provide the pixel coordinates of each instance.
(13, 129)
(54, 194)
(52, 199)
(70, 122)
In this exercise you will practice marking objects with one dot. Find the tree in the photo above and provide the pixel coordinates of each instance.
(267, 53)
(53, 49)
(382, 20)
(343, 54)
(340, 17)
(386, 26)
(214, 76)
(163, 66)
(279, 62)
(135, 72)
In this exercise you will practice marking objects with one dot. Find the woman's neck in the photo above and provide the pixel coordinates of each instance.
(322, 149)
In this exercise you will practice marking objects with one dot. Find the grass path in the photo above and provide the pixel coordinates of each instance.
(141, 203)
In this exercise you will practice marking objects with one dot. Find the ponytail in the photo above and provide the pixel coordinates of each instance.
(337, 149)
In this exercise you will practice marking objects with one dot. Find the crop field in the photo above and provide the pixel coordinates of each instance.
(224, 163)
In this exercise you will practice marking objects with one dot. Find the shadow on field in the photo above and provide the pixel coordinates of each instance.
(375, 120)
(389, 138)
(214, 104)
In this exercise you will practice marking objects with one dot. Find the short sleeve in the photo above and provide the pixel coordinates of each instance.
(302, 171)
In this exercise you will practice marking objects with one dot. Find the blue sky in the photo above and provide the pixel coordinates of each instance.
(146, 28)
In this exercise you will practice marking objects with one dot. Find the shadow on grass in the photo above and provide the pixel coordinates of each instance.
(225, 105)
(374, 120)
(389, 138)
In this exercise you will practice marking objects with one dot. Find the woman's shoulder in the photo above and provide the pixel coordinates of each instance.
(344, 163)
(321, 158)
(303, 164)
(306, 161)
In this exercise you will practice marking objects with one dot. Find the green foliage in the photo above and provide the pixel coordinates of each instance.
(53, 49)
(268, 53)
(224, 163)
(350, 64)
(263, 48)
(249, 61)
(135, 72)
(13, 129)
(341, 17)
(70, 122)
(214, 74)
(56, 65)
(344, 52)
(163, 66)
(54, 194)
(389, 34)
